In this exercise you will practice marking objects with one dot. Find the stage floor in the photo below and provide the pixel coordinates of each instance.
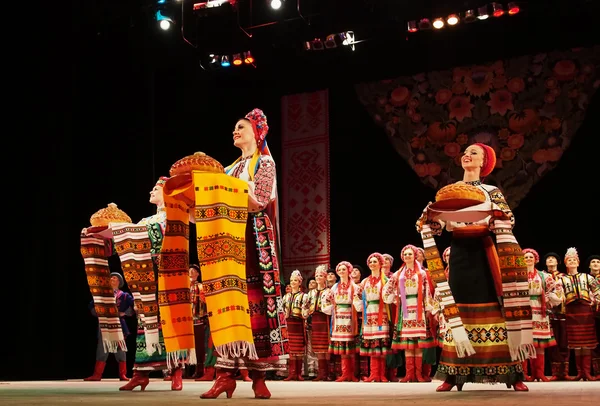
(50, 393)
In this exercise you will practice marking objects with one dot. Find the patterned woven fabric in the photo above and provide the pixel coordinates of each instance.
(221, 214)
(174, 283)
(133, 245)
(95, 252)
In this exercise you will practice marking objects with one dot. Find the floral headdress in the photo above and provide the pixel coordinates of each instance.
(536, 256)
(297, 274)
(571, 252)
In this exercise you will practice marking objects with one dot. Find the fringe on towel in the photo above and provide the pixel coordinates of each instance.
(237, 349)
(176, 358)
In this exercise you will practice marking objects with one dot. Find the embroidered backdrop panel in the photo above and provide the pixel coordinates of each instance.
(305, 173)
(527, 108)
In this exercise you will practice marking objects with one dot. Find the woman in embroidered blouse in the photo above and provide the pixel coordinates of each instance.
(483, 288)
(344, 323)
(375, 336)
(293, 303)
(256, 166)
(409, 288)
(542, 298)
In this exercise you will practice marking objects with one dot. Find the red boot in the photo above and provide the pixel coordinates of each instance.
(209, 374)
(419, 371)
(98, 371)
(224, 383)
(177, 379)
(292, 370)
(259, 386)
(139, 378)
(526, 375)
(382, 370)
(426, 373)
(559, 372)
(538, 372)
(410, 370)
(347, 372)
(322, 372)
(375, 373)
(447, 387)
(123, 371)
(244, 375)
(519, 386)
(586, 368)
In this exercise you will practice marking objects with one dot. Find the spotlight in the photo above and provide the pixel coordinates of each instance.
(513, 8)
(438, 23)
(412, 26)
(483, 12)
(316, 44)
(212, 58)
(237, 59)
(452, 19)
(225, 61)
(497, 10)
(275, 4)
(248, 58)
(164, 22)
(348, 39)
(470, 16)
(425, 24)
(330, 41)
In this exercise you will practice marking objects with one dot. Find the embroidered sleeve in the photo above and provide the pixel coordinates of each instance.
(389, 290)
(357, 301)
(435, 306)
(307, 303)
(428, 295)
(501, 226)
(327, 306)
(264, 181)
(594, 287)
(551, 289)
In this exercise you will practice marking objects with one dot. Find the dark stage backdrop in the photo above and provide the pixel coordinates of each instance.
(119, 125)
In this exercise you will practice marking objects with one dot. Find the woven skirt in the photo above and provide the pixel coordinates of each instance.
(297, 336)
(144, 362)
(320, 333)
(581, 331)
(491, 362)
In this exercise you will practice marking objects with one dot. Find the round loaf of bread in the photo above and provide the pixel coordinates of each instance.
(197, 162)
(110, 214)
(458, 196)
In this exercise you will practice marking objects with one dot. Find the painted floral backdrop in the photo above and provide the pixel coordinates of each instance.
(527, 108)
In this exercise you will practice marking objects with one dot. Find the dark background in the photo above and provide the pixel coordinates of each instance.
(119, 101)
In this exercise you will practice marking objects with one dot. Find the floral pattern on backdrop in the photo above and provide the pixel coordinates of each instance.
(527, 108)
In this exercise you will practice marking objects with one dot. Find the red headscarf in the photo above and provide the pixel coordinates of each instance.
(489, 159)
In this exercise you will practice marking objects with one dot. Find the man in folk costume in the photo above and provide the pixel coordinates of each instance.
(375, 340)
(335, 362)
(542, 291)
(487, 287)
(582, 292)
(409, 288)
(124, 303)
(338, 304)
(313, 308)
(293, 303)
(393, 360)
(559, 354)
(362, 363)
(594, 266)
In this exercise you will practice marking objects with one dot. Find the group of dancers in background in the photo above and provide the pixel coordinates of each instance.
(484, 306)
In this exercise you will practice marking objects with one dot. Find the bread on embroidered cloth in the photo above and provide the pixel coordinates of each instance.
(110, 214)
(458, 196)
(199, 161)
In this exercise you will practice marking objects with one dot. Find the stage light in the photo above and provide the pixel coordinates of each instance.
(425, 24)
(483, 12)
(497, 10)
(164, 22)
(438, 23)
(330, 41)
(348, 39)
(225, 61)
(316, 45)
(248, 58)
(212, 58)
(237, 59)
(412, 26)
(452, 19)
(275, 4)
(513, 8)
(470, 16)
